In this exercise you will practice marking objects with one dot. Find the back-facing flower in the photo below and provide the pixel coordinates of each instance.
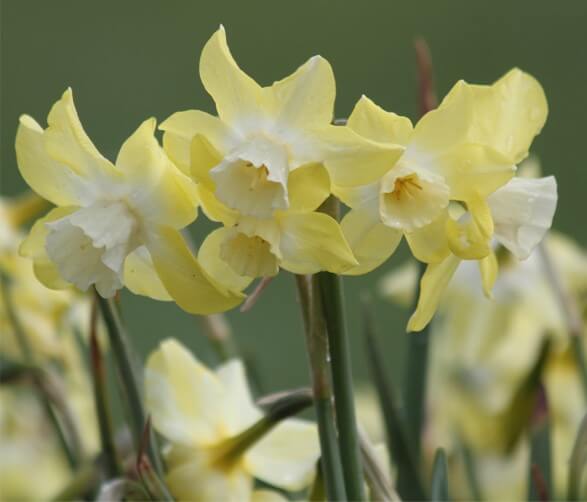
(268, 148)
(114, 224)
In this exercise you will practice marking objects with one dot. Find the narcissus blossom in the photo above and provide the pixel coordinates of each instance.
(202, 413)
(114, 224)
(269, 146)
(456, 155)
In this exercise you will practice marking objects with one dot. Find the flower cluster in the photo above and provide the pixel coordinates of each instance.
(264, 167)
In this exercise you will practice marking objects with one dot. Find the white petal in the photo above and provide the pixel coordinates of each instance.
(287, 456)
(522, 212)
(242, 413)
(185, 399)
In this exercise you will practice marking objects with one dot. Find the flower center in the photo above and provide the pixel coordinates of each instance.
(252, 179)
(90, 245)
(411, 198)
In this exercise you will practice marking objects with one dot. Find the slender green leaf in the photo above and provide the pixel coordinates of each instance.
(577, 489)
(439, 490)
(540, 475)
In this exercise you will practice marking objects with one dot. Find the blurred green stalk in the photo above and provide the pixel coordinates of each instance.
(109, 456)
(317, 350)
(439, 486)
(128, 374)
(71, 454)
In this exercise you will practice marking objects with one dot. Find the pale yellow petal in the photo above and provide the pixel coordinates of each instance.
(429, 244)
(351, 160)
(237, 96)
(311, 242)
(204, 157)
(308, 186)
(34, 247)
(267, 496)
(371, 241)
(214, 209)
(242, 412)
(509, 114)
(470, 236)
(184, 278)
(163, 194)
(140, 276)
(214, 265)
(432, 286)
(488, 267)
(306, 97)
(67, 142)
(373, 122)
(286, 457)
(53, 181)
(184, 398)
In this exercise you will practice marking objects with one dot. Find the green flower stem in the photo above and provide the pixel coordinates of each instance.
(128, 371)
(570, 312)
(416, 375)
(332, 296)
(44, 397)
(317, 349)
(109, 456)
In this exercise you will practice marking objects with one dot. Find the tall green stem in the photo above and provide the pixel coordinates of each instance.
(128, 372)
(332, 297)
(317, 349)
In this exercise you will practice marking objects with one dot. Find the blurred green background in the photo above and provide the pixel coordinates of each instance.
(133, 59)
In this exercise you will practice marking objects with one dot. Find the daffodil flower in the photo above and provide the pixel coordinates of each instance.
(456, 155)
(204, 414)
(522, 213)
(113, 224)
(269, 147)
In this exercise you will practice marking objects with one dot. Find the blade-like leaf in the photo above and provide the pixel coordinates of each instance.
(439, 485)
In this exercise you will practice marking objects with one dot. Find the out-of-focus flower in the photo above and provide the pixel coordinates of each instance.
(32, 466)
(206, 416)
(483, 351)
(268, 148)
(113, 225)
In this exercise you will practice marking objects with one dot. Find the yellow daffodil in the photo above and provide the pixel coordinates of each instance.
(204, 414)
(522, 213)
(463, 152)
(113, 224)
(268, 148)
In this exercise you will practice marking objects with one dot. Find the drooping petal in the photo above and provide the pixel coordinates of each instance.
(469, 237)
(210, 260)
(308, 186)
(360, 196)
(305, 98)
(204, 158)
(241, 410)
(432, 285)
(53, 181)
(158, 190)
(351, 160)
(373, 122)
(522, 212)
(183, 277)
(488, 268)
(286, 457)
(429, 244)
(140, 276)
(311, 242)
(67, 142)
(34, 247)
(371, 241)
(184, 398)
(237, 96)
